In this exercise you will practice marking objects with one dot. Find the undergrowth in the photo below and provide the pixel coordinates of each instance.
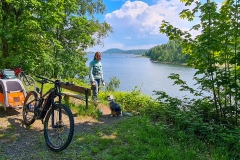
(166, 122)
(158, 130)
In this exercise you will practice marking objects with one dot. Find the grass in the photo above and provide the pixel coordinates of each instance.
(129, 139)
(133, 138)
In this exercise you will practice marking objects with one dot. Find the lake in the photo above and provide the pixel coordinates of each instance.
(146, 75)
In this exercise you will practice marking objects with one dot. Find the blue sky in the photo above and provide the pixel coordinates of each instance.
(136, 23)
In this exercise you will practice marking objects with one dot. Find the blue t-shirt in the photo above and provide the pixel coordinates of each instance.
(95, 70)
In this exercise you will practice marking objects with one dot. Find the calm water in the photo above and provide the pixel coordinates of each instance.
(144, 74)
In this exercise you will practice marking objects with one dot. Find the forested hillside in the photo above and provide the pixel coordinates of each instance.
(167, 53)
(136, 51)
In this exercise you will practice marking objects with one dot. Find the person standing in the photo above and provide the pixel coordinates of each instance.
(96, 74)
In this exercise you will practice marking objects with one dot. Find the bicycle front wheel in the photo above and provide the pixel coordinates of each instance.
(58, 127)
(28, 82)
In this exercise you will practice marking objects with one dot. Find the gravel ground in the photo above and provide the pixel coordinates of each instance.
(16, 139)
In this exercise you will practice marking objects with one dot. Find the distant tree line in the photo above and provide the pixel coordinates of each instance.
(133, 51)
(168, 53)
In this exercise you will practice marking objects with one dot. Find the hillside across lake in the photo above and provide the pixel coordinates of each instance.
(116, 50)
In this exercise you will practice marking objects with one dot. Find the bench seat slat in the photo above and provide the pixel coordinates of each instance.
(82, 92)
(78, 89)
(74, 95)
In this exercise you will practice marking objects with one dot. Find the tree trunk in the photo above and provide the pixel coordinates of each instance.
(5, 48)
(5, 8)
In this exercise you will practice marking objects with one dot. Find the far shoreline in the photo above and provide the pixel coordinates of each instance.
(155, 61)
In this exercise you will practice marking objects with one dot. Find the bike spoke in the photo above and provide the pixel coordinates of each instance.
(59, 128)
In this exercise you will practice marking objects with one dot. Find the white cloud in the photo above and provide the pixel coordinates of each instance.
(136, 24)
(134, 18)
(128, 37)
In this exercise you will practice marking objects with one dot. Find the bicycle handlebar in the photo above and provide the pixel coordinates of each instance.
(45, 80)
(69, 84)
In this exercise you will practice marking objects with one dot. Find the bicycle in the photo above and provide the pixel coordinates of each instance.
(28, 82)
(57, 118)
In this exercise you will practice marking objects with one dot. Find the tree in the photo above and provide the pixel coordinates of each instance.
(50, 36)
(113, 85)
(214, 53)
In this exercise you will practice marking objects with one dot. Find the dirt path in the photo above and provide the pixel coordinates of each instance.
(15, 137)
(13, 117)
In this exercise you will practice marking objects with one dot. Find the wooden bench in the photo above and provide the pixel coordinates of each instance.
(82, 92)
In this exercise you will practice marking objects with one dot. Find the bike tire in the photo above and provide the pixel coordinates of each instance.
(28, 115)
(59, 137)
(28, 82)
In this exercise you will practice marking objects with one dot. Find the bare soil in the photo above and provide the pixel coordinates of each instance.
(15, 138)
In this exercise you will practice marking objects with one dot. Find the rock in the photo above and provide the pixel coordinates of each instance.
(127, 114)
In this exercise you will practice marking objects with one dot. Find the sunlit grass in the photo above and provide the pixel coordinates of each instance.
(132, 138)
(137, 137)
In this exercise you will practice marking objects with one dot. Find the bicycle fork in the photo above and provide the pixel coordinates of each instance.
(56, 121)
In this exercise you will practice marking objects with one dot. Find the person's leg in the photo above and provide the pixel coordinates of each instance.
(95, 89)
(98, 84)
(95, 96)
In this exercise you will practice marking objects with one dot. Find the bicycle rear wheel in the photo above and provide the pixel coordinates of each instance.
(29, 105)
(28, 82)
(58, 127)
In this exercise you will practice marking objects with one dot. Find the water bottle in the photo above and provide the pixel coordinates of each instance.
(31, 108)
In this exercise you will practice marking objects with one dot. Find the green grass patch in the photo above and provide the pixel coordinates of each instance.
(161, 131)
(137, 138)
(131, 138)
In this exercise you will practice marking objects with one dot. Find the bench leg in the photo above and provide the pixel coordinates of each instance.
(86, 98)
(66, 100)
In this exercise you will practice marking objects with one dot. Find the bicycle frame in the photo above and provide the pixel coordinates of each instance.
(57, 118)
(48, 101)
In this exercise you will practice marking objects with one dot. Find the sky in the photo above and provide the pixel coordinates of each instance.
(136, 23)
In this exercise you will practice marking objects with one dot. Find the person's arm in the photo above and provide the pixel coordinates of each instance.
(90, 72)
(102, 76)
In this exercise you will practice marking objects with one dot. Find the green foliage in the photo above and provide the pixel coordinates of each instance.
(126, 140)
(81, 110)
(77, 81)
(196, 117)
(113, 84)
(133, 101)
(199, 120)
(132, 138)
(214, 53)
(50, 36)
(179, 129)
(167, 53)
